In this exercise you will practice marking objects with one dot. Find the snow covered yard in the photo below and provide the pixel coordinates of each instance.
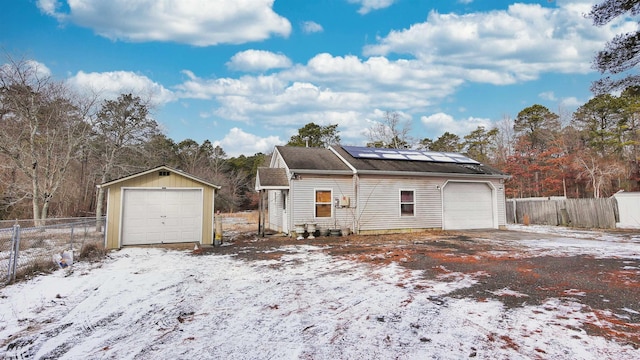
(306, 300)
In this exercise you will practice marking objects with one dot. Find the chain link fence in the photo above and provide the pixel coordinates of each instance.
(28, 250)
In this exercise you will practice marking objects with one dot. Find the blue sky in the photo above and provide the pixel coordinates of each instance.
(247, 74)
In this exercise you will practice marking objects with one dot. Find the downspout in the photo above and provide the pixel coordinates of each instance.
(356, 182)
(356, 217)
(290, 202)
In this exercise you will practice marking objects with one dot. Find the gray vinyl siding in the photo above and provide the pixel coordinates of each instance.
(379, 203)
(303, 200)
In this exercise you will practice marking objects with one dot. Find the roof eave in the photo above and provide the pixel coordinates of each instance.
(431, 174)
(258, 188)
(321, 172)
(163, 167)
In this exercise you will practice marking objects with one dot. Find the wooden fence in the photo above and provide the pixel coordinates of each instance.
(584, 213)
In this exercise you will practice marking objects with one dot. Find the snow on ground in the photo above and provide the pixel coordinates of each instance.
(148, 303)
(563, 241)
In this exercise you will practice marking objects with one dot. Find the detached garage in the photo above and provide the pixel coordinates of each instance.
(159, 206)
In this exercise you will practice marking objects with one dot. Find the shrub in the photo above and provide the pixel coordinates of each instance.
(92, 252)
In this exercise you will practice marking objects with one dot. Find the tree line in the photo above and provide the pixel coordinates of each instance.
(56, 145)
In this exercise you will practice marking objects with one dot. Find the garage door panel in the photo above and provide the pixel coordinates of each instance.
(161, 216)
(468, 205)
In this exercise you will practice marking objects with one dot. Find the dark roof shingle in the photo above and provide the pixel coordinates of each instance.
(413, 166)
(272, 177)
(305, 158)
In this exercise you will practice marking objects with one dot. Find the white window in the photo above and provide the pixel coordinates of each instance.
(323, 203)
(407, 203)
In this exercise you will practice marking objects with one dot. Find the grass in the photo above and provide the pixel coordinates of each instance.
(240, 221)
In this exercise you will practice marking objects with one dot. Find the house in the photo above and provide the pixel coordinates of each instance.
(371, 190)
(159, 206)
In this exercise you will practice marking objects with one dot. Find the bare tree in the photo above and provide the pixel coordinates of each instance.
(505, 140)
(597, 170)
(237, 181)
(43, 124)
(391, 132)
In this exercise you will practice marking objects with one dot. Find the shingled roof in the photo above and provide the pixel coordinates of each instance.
(271, 178)
(316, 159)
(365, 165)
(393, 166)
(337, 160)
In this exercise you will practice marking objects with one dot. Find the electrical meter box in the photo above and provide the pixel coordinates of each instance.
(344, 201)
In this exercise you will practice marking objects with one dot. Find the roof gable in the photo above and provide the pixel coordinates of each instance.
(159, 168)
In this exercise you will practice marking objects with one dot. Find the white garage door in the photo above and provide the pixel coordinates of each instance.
(155, 216)
(468, 206)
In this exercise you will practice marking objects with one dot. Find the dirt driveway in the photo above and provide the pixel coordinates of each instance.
(508, 267)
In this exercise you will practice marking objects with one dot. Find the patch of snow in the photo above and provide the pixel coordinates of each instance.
(508, 292)
(574, 292)
(155, 303)
(561, 241)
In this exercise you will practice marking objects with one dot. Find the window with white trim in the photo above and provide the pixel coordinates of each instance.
(407, 203)
(323, 203)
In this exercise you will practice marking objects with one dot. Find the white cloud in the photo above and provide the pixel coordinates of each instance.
(311, 27)
(446, 51)
(503, 47)
(440, 123)
(109, 85)
(367, 6)
(500, 47)
(31, 68)
(548, 95)
(571, 102)
(240, 142)
(258, 60)
(49, 7)
(194, 22)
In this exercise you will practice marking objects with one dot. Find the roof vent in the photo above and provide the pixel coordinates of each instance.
(164, 173)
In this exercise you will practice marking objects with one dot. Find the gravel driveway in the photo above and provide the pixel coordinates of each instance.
(518, 268)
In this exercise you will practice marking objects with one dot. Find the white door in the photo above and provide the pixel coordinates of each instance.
(467, 205)
(156, 216)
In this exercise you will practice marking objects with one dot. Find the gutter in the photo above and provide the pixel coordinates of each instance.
(321, 172)
(432, 174)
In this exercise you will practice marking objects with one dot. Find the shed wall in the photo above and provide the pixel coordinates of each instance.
(153, 180)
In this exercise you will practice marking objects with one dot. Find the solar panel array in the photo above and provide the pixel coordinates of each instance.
(360, 152)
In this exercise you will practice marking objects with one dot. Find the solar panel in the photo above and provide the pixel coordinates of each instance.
(361, 152)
